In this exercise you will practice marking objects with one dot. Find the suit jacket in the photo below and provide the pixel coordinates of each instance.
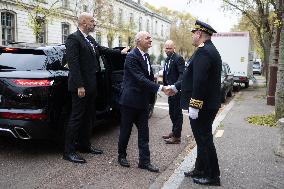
(175, 69)
(138, 87)
(83, 61)
(200, 86)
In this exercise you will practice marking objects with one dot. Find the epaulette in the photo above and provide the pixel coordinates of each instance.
(196, 103)
(201, 45)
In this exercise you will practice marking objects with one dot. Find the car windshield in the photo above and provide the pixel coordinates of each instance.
(256, 65)
(22, 61)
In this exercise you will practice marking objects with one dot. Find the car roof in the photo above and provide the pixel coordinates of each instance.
(49, 50)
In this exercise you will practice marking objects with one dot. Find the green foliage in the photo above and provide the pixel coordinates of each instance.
(221, 126)
(160, 58)
(180, 33)
(39, 12)
(264, 120)
(104, 13)
(152, 58)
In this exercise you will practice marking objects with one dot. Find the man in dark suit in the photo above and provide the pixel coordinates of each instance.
(200, 95)
(173, 70)
(82, 53)
(138, 91)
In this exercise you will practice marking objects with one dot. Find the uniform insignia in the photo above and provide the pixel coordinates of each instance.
(201, 45)
(196, 103)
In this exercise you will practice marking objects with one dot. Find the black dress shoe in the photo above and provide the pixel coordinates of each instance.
(123, 162)
(207, 181)
(149, 167)
(91, 150)
(73, 157)
(194, 173)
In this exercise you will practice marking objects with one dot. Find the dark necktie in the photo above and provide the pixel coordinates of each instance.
(147, 59)
(89, 40)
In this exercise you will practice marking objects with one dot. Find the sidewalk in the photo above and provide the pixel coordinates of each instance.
(245, 151)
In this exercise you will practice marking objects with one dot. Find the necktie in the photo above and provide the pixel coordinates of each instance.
(146, 58)
(167, 65)
(88, 38)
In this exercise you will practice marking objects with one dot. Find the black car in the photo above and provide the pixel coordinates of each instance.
(34, 98)
(227, 82)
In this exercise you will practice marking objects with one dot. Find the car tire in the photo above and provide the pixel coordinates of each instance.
(61, 126)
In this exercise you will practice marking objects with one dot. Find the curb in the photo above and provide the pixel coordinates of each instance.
(175, 180)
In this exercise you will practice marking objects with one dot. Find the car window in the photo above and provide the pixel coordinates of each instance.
(23, 61)
(256, 65)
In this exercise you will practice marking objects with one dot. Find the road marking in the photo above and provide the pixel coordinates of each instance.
(177, 177)
(219, 133)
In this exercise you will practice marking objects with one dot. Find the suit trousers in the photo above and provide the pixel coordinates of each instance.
(139, 117)
(206, 160)
(176, 116)
(79, 128)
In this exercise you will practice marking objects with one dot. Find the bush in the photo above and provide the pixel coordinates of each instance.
(265, 120)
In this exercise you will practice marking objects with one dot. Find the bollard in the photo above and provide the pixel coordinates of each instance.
(280, 149)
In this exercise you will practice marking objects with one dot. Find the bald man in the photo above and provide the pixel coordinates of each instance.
(82, 53)
(138, 92)
(173, 70)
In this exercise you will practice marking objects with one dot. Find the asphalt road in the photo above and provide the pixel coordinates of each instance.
(39, 164)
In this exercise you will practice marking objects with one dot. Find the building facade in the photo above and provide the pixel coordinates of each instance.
(17, 26)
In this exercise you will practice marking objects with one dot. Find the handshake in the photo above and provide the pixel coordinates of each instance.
(169, 90)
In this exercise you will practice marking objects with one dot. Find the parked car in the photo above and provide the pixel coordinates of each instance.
(158, 73)
(256, 67)
(227, 82)
(34, 98)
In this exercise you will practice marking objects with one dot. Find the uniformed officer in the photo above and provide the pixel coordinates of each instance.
(200, 95)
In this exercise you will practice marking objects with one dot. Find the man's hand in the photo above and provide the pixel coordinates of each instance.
(81, 92)
(193, 113)
(124, 51)
(168, 90)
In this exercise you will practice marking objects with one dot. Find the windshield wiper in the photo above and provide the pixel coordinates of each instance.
(6, 67)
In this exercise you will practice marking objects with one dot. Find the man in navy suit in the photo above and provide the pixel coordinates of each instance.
(138, 91)
(82, 53)
(173, 70)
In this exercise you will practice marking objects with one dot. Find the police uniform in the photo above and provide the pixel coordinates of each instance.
(200, 89)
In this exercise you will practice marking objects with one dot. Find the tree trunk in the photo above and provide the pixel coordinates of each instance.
(279, 94)
(266, 53)
(273, 65)
(280, 148)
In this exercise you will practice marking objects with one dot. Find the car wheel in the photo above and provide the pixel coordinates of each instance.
(61, 128)
(246, 84)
